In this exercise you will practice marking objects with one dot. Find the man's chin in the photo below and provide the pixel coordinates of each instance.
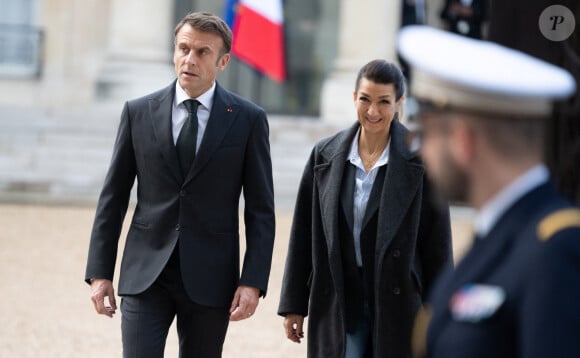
(447, 192)
(456, 195)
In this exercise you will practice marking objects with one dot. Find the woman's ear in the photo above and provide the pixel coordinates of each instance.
(399, 104)
(399, 108)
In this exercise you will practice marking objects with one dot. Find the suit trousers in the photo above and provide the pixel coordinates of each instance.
(147, 317)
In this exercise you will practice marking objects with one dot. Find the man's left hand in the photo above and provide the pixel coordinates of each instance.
(245, 303)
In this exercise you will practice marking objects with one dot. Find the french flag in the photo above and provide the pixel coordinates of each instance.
(257, 26)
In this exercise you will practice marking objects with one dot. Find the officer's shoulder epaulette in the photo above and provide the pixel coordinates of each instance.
(558, 221)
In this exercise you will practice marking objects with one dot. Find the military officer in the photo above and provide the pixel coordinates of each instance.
(516, 293)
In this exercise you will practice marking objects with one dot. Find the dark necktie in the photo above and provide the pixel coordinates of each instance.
(187, 139)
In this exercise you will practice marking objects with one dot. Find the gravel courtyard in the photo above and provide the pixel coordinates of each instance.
(47, 312)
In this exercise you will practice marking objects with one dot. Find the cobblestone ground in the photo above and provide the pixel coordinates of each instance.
(46, 311)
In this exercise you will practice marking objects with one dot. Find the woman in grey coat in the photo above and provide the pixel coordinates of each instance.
(367, 238)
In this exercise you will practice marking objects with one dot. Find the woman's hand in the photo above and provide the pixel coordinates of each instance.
(293, 327)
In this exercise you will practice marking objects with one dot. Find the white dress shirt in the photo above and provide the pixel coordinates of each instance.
(363, 186)
(179, 113)
(494, 208)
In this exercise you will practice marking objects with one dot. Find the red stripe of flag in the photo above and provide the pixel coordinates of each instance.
(259, 42)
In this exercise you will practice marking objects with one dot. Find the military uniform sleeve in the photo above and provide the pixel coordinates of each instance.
(550, 313)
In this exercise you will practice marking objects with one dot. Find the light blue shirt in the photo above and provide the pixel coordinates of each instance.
(493, 209)
(363, 185)
(179, 113)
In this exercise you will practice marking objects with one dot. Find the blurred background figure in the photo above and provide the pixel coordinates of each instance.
(465, 17)
(515, 292)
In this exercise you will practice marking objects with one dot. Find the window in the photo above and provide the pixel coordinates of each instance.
(20, 39)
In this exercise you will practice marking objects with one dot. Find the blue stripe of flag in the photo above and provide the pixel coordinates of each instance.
(230, 12)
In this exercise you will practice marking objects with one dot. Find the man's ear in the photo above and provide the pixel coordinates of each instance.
(462, 141)
(223, 61)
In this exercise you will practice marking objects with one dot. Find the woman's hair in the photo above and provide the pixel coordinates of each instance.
(383, 72)
(207, 22)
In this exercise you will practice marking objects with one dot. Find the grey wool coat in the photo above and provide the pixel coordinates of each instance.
(413, 244)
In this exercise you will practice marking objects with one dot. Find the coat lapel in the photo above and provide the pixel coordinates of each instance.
(221, 118)
(329, 174)
(347, 193)
(484, 255)
(486, 252)
(402, 180)
(160, 109)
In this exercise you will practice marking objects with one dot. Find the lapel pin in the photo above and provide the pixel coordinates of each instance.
(476, 302)
(230, 109)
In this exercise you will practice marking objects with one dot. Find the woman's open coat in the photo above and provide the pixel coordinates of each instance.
(413, 243)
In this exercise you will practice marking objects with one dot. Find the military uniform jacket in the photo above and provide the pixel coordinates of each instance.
(517, 292)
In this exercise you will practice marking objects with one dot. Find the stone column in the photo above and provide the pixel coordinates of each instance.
(139, 58)
(367, 30)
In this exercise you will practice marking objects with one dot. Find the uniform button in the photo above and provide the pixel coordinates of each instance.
(182, 193)
(396, 291)
(177, 227)
(396, 253)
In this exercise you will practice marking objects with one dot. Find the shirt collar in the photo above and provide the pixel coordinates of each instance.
(206, 98)
(354, 156)
(492, 210)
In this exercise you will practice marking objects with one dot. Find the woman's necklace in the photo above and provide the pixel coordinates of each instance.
(369, 159)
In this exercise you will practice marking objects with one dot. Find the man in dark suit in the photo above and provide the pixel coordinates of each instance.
(193, 148)
(516, 292)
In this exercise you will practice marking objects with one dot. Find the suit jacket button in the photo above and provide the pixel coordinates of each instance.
(182, 193)
(396, 253)
(177, 227)
(396, 291)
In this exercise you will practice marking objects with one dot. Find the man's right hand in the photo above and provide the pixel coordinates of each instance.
(102, 288)
(293, 326)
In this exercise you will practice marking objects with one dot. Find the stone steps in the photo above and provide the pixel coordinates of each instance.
(63, 157)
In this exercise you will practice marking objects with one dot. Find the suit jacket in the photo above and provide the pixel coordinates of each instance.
(532, 256)
(198, 212)
(412, 245)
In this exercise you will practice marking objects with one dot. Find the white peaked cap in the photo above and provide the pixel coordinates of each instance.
(449, 70)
